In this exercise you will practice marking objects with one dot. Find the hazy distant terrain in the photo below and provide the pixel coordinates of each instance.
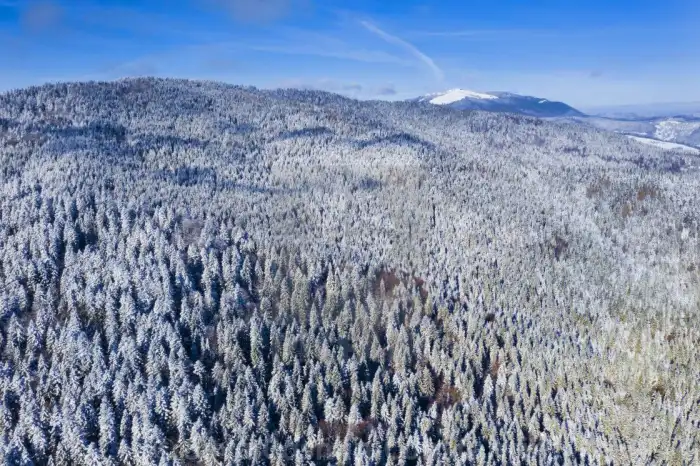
(199, 273)
(647, 110)
(671, 123)
(681, 130)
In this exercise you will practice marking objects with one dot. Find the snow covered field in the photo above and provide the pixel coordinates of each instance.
(664, 144)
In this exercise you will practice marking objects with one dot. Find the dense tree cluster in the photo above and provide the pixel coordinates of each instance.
(197, 273)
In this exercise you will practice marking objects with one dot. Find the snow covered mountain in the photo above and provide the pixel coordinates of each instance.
(506, 102)
(683, 130)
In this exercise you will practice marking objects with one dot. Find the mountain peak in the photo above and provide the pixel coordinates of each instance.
(505, 102)
(455, 95)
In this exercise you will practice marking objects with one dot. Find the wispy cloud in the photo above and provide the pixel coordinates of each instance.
(349, 89)
(136, 25)
(360, 55)
(387, 90)
(353, 87)
(510, 34)
(486, 33)
(259, 10)
(221, 64)
(439, 75)
(324, 84)
(40, 15)
(135, 68)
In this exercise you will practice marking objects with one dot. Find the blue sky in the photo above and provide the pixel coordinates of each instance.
(587, 53)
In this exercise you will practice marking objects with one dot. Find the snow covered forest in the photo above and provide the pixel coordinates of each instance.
(199, 273)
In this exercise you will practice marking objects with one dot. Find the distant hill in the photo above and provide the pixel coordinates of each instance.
(504, 102)
(647, 111)
(680, 130)
(672, 123)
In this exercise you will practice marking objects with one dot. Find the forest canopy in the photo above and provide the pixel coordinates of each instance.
(199, 273)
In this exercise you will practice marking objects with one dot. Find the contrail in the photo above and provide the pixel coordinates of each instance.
(439, 75)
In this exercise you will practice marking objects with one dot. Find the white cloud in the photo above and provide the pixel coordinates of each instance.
(439, 75)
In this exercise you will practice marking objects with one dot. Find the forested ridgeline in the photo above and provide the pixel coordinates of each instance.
(196, 273)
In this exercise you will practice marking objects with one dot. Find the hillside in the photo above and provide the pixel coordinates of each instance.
(199, 273)
(666, 145)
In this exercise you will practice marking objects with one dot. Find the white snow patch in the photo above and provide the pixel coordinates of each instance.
(671, 130)
(455, 95)
(543, 101)
(668, 130)
(665, 144)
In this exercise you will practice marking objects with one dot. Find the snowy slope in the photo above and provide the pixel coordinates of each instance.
(677, 129)
(504, 102)
(455, 95)
(665, 144)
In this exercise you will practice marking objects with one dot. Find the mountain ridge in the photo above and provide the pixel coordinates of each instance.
(501, 102)
(668, 128)
(647, 111)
